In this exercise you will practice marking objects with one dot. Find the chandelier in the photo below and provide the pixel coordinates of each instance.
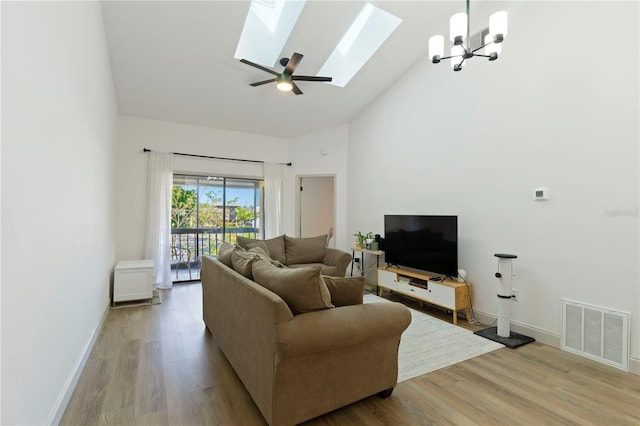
(459, 35)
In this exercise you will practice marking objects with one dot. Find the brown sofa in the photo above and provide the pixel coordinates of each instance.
(297, 367)
(303, 252)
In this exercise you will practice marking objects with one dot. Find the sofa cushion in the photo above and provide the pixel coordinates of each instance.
(345, 291)
(274, 246)
(302, 289)
(324, 269)
(305, 250)
(224, 253)
(242, 261)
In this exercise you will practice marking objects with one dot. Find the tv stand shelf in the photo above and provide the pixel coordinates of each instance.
(447, 293)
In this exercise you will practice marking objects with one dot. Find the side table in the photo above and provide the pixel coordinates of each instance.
(133, 280)
(362, 251)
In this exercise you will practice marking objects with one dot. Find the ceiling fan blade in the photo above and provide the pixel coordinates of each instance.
(293, 63)
(260, 83)
(296, 89)
(310, 78)
(260, 67)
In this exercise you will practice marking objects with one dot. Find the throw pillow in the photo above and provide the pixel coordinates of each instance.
(345, 291)
(242, 262)
(224, 253)
(302, 289)
(274, 246)
(305, 250)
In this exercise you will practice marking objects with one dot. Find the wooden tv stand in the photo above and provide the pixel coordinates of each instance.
(448, 294)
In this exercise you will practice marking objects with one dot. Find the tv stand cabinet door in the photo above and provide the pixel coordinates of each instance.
(387, 279)
(442, 295)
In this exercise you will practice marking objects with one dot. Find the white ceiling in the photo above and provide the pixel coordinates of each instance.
(174, 61)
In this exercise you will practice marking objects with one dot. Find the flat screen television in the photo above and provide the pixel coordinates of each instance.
(428, 243)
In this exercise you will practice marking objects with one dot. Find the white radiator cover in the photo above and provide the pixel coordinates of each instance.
(594, 332)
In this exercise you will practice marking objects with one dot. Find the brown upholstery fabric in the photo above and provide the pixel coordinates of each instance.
(300, 252)
(345, 291)
(274, 246)
(224, 253)
(324, 269)
(298, 367)
(302, 289)
(242, 261)
(305, 250)
(338, 259)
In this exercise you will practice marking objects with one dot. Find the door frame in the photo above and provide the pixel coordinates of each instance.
(298, 201)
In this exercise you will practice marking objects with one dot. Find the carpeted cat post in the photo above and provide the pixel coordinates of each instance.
(502, 333)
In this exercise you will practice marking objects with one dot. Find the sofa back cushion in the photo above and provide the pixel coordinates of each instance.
(224, 253)
(274, 246)
(305, 250)
(302, 289)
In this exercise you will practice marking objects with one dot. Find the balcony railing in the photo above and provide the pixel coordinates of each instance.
(188, 245)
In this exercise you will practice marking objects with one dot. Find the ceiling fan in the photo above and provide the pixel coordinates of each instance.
(286, 80)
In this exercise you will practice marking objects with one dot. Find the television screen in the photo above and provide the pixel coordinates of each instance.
(428, 243)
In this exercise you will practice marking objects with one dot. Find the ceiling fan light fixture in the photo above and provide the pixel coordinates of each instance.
(283, 83)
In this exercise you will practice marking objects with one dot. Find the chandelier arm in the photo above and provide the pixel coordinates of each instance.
(482, 56)
(481, 47)
(449, 57)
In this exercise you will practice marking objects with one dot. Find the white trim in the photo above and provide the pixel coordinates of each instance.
(60, 406)
(543, 336)
(634, 365)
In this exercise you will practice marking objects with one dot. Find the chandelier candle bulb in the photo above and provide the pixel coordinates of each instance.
(458, 28)
(498, 26)
(436, 48)
(493, 50)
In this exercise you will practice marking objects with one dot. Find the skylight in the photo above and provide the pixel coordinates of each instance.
(365, 36)
(266, 30)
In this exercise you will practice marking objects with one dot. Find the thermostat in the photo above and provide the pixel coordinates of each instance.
(541, 193)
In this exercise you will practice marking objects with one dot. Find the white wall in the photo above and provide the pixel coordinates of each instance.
(134, 134)
(323, 153)
(58, 200)
(550, 112)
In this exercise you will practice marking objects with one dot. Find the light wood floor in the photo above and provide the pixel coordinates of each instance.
(158, 365)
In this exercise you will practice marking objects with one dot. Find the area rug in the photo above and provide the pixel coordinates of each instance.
(429, 344)
(155, 300)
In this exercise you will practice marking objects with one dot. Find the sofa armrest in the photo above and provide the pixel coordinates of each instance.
(331, 329)
(338, 258)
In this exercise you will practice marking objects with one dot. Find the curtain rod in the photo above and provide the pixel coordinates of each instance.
(217, 158)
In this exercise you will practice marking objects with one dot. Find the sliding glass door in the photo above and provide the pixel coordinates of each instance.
(205, 211)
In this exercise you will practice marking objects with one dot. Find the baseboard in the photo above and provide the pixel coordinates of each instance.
(65, 396)
(634, 365)
(543, 336)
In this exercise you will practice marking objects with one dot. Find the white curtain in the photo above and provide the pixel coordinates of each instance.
(274, 178)
(158, 238)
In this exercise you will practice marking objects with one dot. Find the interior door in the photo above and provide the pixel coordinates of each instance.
(317, 206)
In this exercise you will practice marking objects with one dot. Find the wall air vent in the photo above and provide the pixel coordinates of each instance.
(598, 333)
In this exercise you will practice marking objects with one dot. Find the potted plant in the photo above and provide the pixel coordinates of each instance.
(363, 240)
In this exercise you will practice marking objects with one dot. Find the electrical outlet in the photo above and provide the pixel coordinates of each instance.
(514, 294)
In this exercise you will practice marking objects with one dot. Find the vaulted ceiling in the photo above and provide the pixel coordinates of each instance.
(174, 61)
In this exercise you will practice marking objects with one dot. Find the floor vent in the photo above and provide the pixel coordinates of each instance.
(597, 333)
